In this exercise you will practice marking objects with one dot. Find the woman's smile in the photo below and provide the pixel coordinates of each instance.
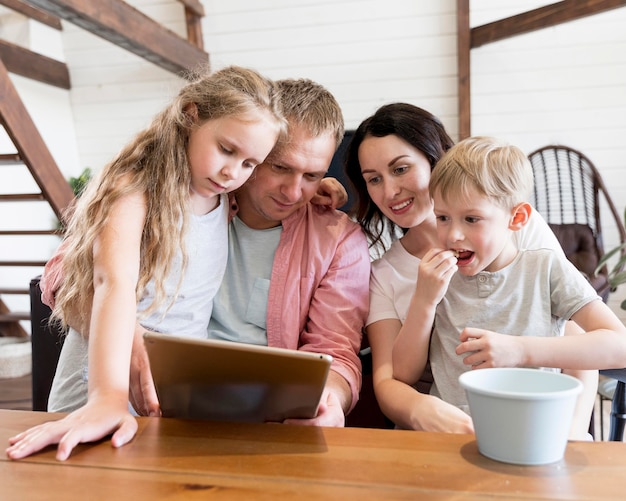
(402, 207)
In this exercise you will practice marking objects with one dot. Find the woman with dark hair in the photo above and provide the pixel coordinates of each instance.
(423, 133)
(389, 162)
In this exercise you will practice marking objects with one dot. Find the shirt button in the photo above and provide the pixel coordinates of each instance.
(482, 278)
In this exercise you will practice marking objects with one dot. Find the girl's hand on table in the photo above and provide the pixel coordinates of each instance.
(97, 419)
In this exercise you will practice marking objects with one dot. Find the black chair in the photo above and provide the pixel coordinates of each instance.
(47, 340)
(367, 413)
(336, 169)
(618, 404)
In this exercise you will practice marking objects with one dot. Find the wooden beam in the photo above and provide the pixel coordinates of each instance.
(35, 66)
(194, 6)
(463, 67)
(194, 28)
(543, 17)
(125, 26)
(31, 147)
(194, 12)
(33, 13)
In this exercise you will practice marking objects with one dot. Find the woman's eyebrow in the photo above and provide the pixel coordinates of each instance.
(394, 160)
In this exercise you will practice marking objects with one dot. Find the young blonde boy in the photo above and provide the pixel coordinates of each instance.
(497, 306)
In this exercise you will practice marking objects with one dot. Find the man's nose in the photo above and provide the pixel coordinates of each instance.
(292, 189)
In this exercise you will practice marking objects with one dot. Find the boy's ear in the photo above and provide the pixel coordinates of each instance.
(520, 216)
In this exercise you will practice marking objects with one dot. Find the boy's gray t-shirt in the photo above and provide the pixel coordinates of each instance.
(533, 296)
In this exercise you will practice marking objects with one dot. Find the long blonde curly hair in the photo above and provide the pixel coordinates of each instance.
(155, 165)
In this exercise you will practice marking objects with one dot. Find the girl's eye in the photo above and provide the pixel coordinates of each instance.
(373, 180)
(471, 219)
(225, 149)
(249, 165)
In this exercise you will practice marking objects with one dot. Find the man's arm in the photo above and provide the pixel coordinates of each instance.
(337, 313)
(340, 388)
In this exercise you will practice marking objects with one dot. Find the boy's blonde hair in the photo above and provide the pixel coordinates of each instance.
(494, 168)
(155, 165)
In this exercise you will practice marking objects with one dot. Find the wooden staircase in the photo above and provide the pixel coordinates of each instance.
(147, 39)
(32, 153)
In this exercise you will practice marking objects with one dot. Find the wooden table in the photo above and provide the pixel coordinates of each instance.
(174, 459)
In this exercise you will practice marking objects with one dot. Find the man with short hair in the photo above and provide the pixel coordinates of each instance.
(298, 273)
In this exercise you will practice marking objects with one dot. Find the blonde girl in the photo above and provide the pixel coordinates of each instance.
(127, 238)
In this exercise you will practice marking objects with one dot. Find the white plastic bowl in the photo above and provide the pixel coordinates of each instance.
(521, 416)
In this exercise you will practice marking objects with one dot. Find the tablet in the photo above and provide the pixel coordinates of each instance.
(228, 381)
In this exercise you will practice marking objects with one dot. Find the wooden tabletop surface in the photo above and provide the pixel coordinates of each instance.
(175, 459)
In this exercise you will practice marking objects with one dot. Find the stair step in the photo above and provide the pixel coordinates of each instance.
(21, 197)
(14, 316)
(23, 263)
(29, 232)
(10, 159)
(11, 290)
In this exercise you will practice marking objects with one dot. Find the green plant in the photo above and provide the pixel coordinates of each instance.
(78, 183)
(617, 275)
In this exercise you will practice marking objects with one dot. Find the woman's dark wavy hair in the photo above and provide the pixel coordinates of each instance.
(416, 126)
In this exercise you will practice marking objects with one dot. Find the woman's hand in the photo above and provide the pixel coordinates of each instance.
(433, 414)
